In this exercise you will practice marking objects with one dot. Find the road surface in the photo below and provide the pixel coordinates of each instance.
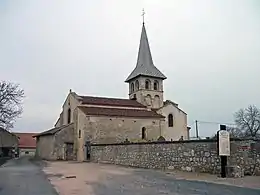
(105, 179)
(21, 177)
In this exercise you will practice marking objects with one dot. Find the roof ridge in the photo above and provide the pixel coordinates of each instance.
(114, 107)
(47, 132)
(104, 97)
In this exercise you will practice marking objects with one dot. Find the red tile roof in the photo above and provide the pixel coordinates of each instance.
(120, 112)
(110, 102)
(26, 140)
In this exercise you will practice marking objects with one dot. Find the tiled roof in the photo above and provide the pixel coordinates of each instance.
(26, 140)
(145, 66)
(99, 111)
(105, 101)
(52, 131)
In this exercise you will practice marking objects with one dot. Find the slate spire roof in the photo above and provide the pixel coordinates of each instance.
(145, 66)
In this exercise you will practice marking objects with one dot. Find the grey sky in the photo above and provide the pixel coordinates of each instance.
(209, 50)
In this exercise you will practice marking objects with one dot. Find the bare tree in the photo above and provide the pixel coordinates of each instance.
(10, 103)
(248, 121)
(235, 132)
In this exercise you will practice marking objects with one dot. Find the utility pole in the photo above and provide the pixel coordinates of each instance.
(197, 130)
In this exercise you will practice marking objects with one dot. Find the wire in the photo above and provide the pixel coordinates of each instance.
(216, 122)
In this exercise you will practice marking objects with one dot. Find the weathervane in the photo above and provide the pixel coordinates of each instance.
(143, 15)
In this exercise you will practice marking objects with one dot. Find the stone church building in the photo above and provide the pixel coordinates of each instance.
(144, 116)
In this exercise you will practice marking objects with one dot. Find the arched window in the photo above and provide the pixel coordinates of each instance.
(155, 85)
(156, 101)
(132, 87)
(69, 115)
(170, 120)
(143, 133)
(147, 84)
(148, 100)
(136, 85)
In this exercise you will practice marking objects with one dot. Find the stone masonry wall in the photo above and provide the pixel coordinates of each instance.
(44, 147)
(102, 130)
(199, 156)
(63, 137)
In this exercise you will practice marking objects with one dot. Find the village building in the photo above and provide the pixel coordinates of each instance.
(8, 143)
(144, 116)
(26, 144)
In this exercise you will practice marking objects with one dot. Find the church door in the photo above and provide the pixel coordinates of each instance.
(69, 151)
(88, 147)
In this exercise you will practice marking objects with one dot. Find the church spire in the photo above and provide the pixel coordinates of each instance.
(144, 65)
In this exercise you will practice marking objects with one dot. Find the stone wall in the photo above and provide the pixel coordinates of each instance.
(61, 138)
(44, 147)
(27, 151)
(99, 129)
(179, 127)
(53, 147)
(199, 156)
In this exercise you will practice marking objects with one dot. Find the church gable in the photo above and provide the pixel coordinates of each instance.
(175, 105)
(69, 105)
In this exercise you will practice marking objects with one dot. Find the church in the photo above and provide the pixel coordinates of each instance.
(144, 116)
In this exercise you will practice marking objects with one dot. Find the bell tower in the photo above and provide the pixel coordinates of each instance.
(146, 81)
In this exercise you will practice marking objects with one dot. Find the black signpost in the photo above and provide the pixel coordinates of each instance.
(223, 157)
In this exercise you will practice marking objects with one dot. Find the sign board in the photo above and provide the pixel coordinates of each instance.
(223, 143)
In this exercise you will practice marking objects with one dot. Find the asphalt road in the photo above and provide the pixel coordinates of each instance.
(147, 182)
(21, 177)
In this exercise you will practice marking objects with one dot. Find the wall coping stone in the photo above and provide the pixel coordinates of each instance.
(175, 142)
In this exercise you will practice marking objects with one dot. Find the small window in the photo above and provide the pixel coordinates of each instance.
(79, 133)
(136, 84)
(132, 87)
(147, 84)
(26, 152)
(69, 115)
(143, 133)
(155, 85)
(170, 120)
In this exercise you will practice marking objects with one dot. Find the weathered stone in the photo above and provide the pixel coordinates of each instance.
(171, 167)
(58, 147)
(207, 154)
(161, 155)
(234, 171)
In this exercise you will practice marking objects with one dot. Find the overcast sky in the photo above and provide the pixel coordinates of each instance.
(208, 49)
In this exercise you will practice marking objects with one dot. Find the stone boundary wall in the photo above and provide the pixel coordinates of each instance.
(192, 155)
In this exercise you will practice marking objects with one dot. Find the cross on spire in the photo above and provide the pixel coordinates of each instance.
(143, 13)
